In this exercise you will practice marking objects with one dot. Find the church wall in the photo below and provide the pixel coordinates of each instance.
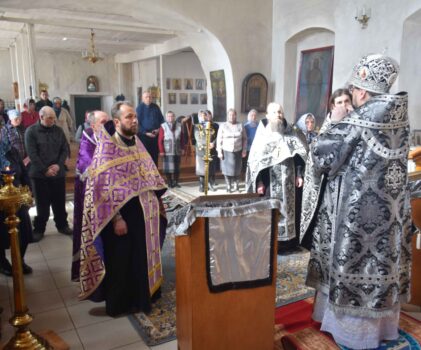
(383, 33)
(65, 73)
(145, 75)
(182, 65)
(306, 40)
(411, 69)
(6, 92)
(230, 36)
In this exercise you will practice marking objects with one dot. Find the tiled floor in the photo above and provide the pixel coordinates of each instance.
(52, 297)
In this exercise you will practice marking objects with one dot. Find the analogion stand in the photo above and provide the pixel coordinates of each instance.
(232, 319)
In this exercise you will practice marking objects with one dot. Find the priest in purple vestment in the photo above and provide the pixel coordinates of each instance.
(86, 151)
(120, 254)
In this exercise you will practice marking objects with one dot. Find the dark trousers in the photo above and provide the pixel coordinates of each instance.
(151, 145)
(49, 192)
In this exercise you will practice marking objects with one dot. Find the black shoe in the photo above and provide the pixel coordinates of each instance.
(26, 269)
(66, 231)
(6, 268)
(176, 184)
(37, 235)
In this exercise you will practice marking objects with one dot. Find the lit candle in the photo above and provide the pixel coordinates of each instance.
(7, 171)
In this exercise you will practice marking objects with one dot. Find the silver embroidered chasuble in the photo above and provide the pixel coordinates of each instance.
(275, 151)
(361, 250)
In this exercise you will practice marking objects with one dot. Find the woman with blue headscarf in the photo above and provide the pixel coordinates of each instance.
(9, 157)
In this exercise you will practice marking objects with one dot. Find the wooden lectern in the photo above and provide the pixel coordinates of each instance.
(233, 319)
(415, 155)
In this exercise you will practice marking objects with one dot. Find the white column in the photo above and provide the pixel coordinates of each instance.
(12, 49)
(32, 58)
(161, 77)
(119, 77)
(23, 66)
(18, 77)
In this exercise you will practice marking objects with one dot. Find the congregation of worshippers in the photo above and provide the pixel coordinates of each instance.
(341, 179)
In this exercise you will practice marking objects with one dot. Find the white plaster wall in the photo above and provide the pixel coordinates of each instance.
(231, 35)
(65, 73)
(6, 90)
(182, 65)
(145, 75)
(410, 77)
(384, 33)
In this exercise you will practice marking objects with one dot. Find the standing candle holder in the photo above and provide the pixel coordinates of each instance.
(208, 131)
(11, 199)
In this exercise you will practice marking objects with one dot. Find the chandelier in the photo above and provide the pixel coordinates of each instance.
(92, 55)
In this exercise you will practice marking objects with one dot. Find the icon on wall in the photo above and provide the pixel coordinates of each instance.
(194, 99)
(92, 84)
(176, 84)
(188, 84)
(200, 84)
(203, 99)
(172, 98)
(183, 98)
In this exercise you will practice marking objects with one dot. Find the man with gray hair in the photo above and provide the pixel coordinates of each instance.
(87, 148)
(64, 120)
(120, 256)
(360, 258)
(47, 148)
(276, 167)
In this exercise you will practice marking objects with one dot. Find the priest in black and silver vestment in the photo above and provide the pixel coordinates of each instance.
(275, 168)
(361, 248)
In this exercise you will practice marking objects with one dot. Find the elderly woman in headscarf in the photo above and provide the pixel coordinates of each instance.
(9, 157)
(14, 132)
(307, 124)
(250, 127)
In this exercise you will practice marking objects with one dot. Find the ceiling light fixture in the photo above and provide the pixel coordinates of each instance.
(92, 55)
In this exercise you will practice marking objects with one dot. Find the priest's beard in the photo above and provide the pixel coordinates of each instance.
(277, 126)
(128, 132)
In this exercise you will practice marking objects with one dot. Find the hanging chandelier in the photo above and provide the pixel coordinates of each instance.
(92, 55)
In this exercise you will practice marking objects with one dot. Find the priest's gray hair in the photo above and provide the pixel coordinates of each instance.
(115, 109)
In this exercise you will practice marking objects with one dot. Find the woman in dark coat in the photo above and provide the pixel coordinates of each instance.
(9, 156)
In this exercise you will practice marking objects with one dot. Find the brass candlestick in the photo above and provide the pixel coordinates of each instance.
(208, 131)
(11, 199)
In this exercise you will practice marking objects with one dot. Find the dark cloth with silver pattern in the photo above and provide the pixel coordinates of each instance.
(361, 226)
(276, 154)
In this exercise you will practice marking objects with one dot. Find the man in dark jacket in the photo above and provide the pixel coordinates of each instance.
(150, 119)
(47, 148)
(44, 101)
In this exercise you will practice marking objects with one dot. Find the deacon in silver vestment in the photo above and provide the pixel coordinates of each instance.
(361, 251)
(276, 167)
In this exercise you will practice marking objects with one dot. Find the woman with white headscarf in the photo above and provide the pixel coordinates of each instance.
(307, 124)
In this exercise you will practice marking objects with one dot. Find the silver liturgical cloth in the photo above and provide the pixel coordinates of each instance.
(240, 235)
(240, 248)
